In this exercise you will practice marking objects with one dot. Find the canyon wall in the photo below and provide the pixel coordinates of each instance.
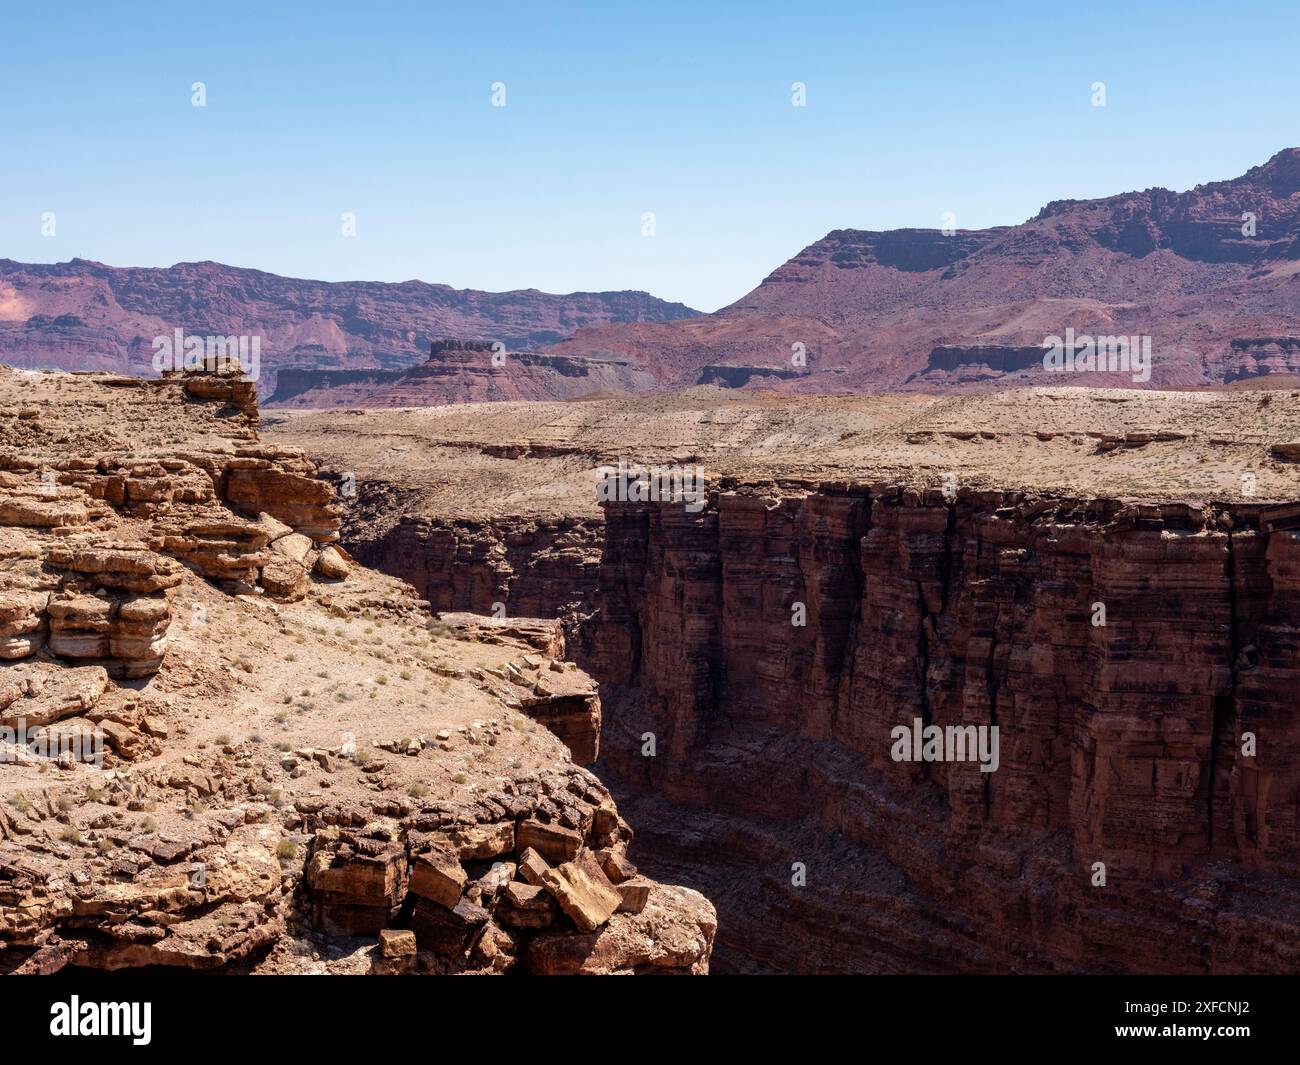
(295, 387)
(533, 567)
(1119, 744)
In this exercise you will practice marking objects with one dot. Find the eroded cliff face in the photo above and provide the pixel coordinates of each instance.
(224, 746)
(1119, 744)
(524, 567)
(772, 787)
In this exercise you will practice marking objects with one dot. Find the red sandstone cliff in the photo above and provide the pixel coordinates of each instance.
(1119, 744)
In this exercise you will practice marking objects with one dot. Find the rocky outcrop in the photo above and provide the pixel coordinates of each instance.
(174, 611)
(549, 690)
(732, 376)
(1138, 664)
(248, 871)
(468, 884)
(228, 386)
(162, 915)
(81, 587)
(1261, 356)
(473, 372)
(310, 389)
(953, 364)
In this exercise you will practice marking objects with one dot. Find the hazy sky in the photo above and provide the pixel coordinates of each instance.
(612, 110)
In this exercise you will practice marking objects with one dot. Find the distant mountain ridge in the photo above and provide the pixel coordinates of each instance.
(1212, 275)
(83, 315)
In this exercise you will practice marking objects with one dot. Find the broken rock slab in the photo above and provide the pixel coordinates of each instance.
(525, 906)
(437, 875)
(583, 892)
(357, 884)
(553, 842)
(444, 931)
(50, 697)
(331, 564)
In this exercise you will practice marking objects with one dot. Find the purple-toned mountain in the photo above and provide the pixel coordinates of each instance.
(1211, 275)
(82, 315)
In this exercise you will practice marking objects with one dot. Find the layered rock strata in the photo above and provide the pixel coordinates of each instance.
(224, 746)
(531, 567)
(1138, 662)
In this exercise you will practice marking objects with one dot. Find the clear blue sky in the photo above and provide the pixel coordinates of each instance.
(613, 109)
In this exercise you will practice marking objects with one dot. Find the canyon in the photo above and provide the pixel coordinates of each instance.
(1109, 577)
(348, 636)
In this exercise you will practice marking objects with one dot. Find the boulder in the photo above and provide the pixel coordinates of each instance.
(616, 866)
(285, 579)
(275, 529)
(331, 564)
(635, 893)
(553, 842)
(476, 842)
(673, 934)
(396, 943)
(357, 884)
(295, 546)
(437, 875)
(583, 892)
(525, 906)
(531, 866)
(446, 931)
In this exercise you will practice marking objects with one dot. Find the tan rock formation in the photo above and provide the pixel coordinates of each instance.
(209, 760)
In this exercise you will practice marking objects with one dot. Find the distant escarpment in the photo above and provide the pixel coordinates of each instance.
(460, 371)
(83, 315)
(1252, 357)
(1196, 271)
(973, 362)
